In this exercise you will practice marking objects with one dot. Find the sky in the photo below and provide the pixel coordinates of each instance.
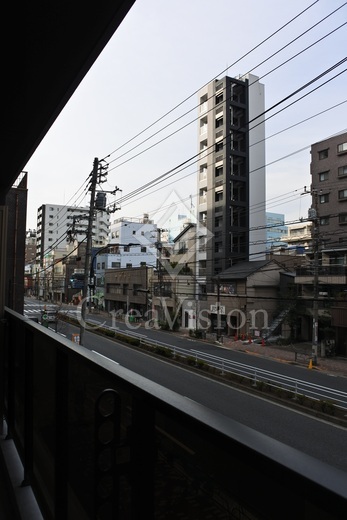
(160, 56)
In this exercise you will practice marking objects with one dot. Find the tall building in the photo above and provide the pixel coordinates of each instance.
(329, 190)
(231, 177)
(57, 224)
(276, 230)
(30, 246)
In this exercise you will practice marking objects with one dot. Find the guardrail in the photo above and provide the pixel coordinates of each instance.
(93, 439)
(257, 375)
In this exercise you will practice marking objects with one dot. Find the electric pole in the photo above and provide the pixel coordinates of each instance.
(159, 246)
(88, 253)
(313, 216)
(315, 278)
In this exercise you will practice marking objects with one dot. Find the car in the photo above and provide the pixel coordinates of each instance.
(49, 316)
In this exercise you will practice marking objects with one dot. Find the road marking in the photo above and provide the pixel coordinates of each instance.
(108, 359)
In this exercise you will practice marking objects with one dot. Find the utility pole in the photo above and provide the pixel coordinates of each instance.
(159, 246)
(313, 214)
(92, 190)
(219, 325)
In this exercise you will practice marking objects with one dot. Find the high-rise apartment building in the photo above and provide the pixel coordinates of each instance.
(276, 230)
(56, 224)
(329, 190)
(231, 177)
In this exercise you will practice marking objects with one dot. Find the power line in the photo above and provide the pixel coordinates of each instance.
(183, 115)
(218, 75)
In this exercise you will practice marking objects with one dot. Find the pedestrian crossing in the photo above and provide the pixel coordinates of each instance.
(35, 308)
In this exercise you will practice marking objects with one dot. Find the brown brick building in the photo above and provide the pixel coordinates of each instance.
(329, 187)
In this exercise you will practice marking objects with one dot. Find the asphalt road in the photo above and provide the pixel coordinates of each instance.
(315, 437)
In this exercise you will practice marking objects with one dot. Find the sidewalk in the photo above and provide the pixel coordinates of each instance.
(298, 354)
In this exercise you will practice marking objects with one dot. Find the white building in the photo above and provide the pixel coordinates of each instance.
(132, 243)
(57, 225)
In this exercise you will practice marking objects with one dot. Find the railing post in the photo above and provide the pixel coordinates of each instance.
(62, 435)
(28, 408)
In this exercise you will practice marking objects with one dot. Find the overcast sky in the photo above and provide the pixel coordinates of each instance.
(164, 52)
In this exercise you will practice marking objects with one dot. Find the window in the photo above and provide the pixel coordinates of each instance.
(134, 232)
(342, 194)
(219, 147)
(323, 154)
(203, 172)
(98, 265)
(219, 171)
(324, 221)
(203, 125)
(218, 196)
(219, 122)
(128, 266)
(218, 247)
(218, 221)
(102, 265)
(143, 249)
(203, 103)
(219, 98)
(342, 148)
(343, 218)
(126, 249)
(115, 264)
(202, 195)
(324, 176)
(342, 171)
(324, 198)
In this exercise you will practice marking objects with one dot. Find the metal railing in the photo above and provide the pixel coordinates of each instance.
(257, 375)
(96, 440)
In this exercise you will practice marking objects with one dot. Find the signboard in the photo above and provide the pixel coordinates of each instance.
(213, 309)
(76, 338)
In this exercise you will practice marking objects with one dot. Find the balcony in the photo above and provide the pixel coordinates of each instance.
(329, 274)
(95, 440)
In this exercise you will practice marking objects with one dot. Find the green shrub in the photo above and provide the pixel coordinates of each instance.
(163, 351)
(300, 398)
(201, 364)
(327, 407)
(191, 361)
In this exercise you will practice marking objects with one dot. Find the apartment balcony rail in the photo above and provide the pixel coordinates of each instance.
(323, 270)
(96, 440)
(332, 274)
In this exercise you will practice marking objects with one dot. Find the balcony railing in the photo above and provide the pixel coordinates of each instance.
(99, 441)
(323, 270)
